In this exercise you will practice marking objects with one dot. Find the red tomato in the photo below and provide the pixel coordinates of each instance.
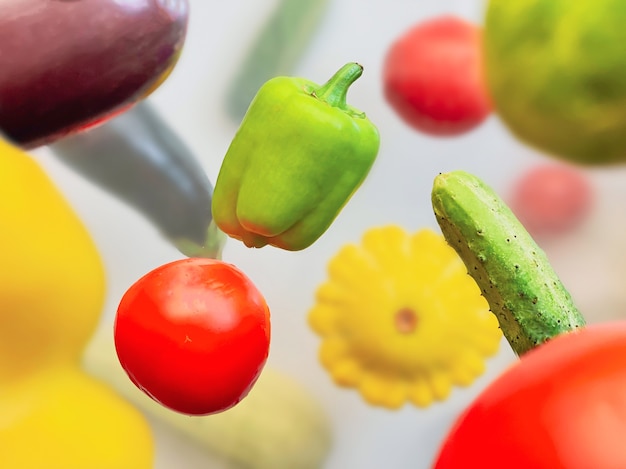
(432, 77)
(194, 335)
(562, 406)
(551, 199)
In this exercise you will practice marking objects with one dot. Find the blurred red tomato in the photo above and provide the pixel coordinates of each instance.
(550, 199)
(562, 406)
(194, 335)
(432, 77)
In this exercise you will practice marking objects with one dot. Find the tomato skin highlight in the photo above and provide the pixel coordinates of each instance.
(562, 406)
(194, 335)
(432, 77)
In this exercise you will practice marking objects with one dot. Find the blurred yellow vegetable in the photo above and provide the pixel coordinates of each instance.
(52, 285)
(401, 320)
(279, 425)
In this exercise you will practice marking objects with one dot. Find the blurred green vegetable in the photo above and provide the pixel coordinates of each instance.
(275, 51)
(138, 158)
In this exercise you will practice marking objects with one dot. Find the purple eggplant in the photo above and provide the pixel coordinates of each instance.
(68, 64)
(139, 159)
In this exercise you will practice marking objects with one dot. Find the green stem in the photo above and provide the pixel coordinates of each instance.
(335, 90)
(212, 247)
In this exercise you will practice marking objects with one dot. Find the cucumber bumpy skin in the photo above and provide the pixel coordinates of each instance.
(513, 273)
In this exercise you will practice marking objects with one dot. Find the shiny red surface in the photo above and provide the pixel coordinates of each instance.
(562, 406)
(65, 64)
(193, 334)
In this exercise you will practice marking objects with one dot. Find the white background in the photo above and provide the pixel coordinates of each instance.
(590, 261)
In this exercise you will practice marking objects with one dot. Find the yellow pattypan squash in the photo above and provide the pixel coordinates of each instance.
(401, 320)
(52, 290)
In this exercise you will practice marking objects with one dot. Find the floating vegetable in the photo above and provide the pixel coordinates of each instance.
(52, 290)
(137, 157)
(552, 199)
(563, 405)
(433, 78)
(401, 320)
(513, 273)
(275, 51)
(299, 155)
(194, 335)
(279, 425)
(67, 65)
(556, 71)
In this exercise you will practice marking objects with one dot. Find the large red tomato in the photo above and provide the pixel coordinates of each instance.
(562, 406)
(194, 335)
(432, 77)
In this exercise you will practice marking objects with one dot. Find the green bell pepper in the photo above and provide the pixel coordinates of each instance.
(299, 155)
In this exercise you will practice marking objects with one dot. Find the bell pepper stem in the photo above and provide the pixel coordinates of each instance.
(335, 90)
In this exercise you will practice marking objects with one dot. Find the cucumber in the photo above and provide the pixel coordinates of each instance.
(512, 271)
(279, 425)
(275, 51)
